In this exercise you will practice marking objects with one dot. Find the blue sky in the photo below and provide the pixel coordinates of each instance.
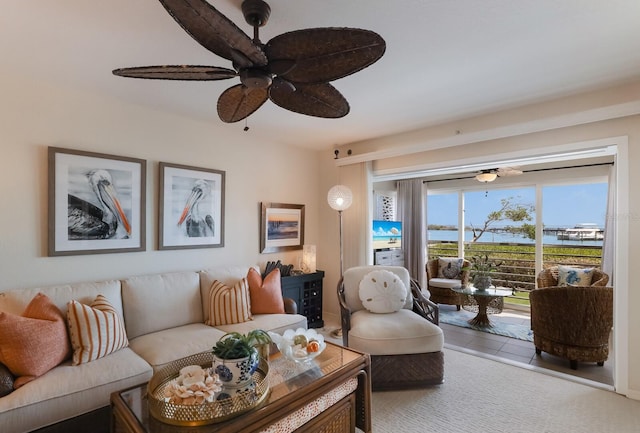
(563, 206)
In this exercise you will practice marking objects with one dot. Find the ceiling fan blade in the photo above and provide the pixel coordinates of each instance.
(239, 101)
(325, 54)
(177, 72)
(319, 100)
(214, 31)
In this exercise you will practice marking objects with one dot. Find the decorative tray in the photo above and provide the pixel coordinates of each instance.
(230, 402)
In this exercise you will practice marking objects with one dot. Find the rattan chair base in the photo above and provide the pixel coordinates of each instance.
(406, 371)
(574, 354)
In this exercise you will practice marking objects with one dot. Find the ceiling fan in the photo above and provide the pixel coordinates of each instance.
(491, 174)
(293, 69)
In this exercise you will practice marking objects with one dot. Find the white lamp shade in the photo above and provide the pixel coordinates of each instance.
(308, 259)
(340, 197)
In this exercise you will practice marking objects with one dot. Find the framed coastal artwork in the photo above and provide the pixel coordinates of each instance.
(281, 227)
(96, 203)
(191, 207)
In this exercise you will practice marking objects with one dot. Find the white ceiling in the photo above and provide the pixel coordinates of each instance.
(445, 59)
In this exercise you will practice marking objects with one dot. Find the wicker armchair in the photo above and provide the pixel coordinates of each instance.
(440, 288)
(405, 345)
(573, 322)
(549, 278)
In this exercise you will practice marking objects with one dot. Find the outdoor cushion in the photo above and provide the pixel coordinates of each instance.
(449, 267)
(571, 276)
(445, 283)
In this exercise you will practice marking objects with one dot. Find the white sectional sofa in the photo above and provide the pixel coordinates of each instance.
(164, 316)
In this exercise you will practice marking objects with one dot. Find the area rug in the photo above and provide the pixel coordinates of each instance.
(483, 395)
(460, 318)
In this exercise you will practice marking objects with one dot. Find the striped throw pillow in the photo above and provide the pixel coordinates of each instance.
(229, 305)
(96, 330)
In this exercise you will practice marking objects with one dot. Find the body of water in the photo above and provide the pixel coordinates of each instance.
(452, 235)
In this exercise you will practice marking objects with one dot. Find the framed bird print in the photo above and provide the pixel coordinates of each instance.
(96, 203)
(191, 207)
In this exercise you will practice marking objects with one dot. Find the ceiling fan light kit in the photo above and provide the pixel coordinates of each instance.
(486, 176)
(293, 69)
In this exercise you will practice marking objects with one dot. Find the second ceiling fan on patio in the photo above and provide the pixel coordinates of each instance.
(293, 69)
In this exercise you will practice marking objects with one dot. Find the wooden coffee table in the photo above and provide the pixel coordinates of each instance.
(293, 388)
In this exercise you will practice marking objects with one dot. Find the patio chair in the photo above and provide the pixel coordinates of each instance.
(573, 322)
(444, 273)
(403, 339)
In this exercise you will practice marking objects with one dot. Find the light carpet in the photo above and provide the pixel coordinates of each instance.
(482, 395)
(460, 318)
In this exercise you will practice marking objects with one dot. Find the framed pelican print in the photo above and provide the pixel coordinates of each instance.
(281, 227)
(191, 207)
(96, 203)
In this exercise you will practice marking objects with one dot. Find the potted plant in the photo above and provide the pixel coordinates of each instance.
(236, 356)
(481, 269)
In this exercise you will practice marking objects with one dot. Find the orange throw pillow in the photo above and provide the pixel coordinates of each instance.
(266, 295)
(34, 343)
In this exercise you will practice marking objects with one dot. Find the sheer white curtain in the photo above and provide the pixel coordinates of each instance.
(411, 213)
(608, 245)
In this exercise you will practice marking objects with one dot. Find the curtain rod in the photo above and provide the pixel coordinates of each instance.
(526, 171)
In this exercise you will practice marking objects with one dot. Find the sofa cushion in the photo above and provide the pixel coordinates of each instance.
(229, 304)
(382, 291)
(449, 267)
(396, 333)
(571, 276)
(162, 347)
(96, 330)
(162, 301)
(68, 391)
(24, 340)
(15, 301)
(265, 294)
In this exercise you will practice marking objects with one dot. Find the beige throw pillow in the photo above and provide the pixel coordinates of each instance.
(229, 305)
(96, 330)
(382, 291)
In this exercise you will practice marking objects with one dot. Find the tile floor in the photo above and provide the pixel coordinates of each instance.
(520, 351)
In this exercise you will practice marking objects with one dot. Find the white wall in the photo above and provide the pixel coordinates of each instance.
(34, 116)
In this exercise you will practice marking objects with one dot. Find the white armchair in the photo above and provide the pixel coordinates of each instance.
(406, 343)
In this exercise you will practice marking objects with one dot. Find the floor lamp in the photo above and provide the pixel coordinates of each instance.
(340, 198)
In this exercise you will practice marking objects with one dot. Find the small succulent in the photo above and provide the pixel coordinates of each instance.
(235, 345)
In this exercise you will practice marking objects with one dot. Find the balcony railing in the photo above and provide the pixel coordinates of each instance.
(517, 270)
